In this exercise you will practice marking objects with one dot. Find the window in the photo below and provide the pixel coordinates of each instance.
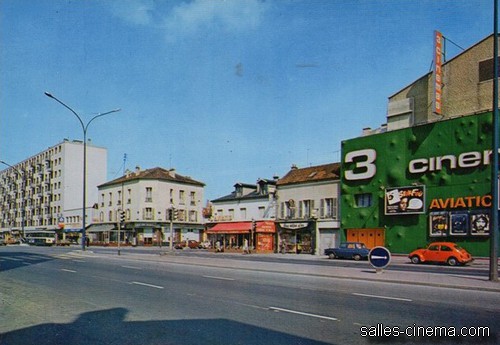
(363, 200)
(181, 216)
(119, 201)
(243, 213)
(192, 197)
(148, 213)
(486, 70)
(182, 196)
(231, 213)
(328, 208)
(262, 211)
(149, 194)
(110, 199)
(193, 216)
(306, 208)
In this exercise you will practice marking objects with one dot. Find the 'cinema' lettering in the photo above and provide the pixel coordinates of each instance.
(464, 160)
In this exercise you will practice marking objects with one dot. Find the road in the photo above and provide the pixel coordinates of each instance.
(61, 296)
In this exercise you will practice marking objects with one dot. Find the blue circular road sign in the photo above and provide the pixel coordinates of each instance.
(379, 257)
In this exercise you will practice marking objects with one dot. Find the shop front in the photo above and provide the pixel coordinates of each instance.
(297, 237)
(234, 236)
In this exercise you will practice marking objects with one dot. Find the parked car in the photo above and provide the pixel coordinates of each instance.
(205, 245)
(441, 252)
(191, 244)
(348, 250)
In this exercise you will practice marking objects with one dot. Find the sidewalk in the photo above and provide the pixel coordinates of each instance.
(296, 264)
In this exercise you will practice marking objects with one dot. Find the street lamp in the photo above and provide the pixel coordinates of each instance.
(84, 128)
(22, 194)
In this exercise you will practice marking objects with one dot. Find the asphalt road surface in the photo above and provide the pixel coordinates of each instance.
(59, 296)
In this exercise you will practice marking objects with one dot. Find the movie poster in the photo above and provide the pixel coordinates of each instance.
(480, 223)
(459, 223)
(404, 200)
(438, 224)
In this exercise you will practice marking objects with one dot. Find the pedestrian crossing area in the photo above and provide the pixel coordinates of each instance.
(18, 259)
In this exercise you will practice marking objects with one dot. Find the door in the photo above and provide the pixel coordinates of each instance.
(370, 237)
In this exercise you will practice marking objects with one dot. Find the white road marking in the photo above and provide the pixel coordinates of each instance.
(378, 257)
(304, 314)
(132, 267)
(66, 270)
(148, 285)
(12, 259)
(384, 297)
(78, 260)
(219, 278)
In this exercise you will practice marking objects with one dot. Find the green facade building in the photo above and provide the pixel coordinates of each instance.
(405, 188)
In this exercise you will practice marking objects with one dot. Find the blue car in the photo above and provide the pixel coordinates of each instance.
(348, 250)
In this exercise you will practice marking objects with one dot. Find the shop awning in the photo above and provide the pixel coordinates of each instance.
(231, 228)
(100, 227)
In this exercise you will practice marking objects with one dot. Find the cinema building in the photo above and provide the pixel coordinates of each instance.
(426, 175)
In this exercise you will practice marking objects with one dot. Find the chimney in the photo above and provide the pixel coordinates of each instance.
(171, 172)
(294, 167)
(137, 170)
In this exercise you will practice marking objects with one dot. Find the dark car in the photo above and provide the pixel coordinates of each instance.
(348, 250)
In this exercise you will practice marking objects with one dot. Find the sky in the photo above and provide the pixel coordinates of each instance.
(223, 91)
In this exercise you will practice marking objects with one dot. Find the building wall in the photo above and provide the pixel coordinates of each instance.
(53, 188)
(136, 201)
(373, 164)
(254, 209)
(308, 191)
(462, 93)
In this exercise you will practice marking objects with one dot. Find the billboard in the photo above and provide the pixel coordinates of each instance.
(405, 200)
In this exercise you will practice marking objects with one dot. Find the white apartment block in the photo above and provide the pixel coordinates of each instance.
(145, 196)
(48, 188)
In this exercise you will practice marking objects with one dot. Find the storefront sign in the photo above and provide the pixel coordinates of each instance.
(461, 202)
(365, 167)
(404, 200)
(438, 72)
(294, 226)
(265, 227)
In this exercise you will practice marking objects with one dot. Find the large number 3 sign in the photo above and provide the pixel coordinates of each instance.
(364, 167)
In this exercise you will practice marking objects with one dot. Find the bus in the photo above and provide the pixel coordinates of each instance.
(41, 238)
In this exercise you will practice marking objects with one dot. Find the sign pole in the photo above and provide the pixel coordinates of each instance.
(493, 273)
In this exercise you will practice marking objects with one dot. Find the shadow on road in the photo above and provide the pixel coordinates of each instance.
(109, 327)
(13, 260)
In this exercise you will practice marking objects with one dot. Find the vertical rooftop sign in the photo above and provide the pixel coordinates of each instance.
(438, 45)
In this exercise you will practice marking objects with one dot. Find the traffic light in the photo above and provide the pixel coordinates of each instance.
(122, 217)
(176, 214)
(169, 215)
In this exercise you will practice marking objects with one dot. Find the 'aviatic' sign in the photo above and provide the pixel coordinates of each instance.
(461, 202)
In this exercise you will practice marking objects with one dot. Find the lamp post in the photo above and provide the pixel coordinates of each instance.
(22, 194)
(84, 128)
